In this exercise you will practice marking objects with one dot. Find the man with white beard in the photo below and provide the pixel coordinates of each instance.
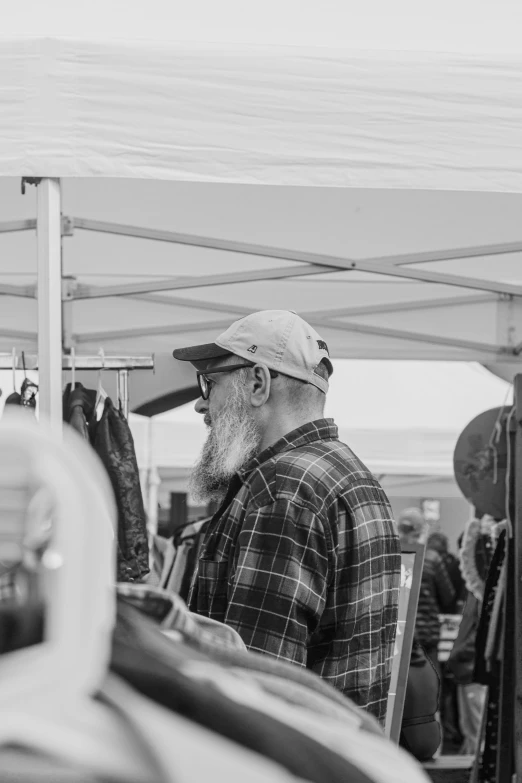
(302, 558)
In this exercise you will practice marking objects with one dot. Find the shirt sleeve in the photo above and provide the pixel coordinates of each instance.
(278, 584)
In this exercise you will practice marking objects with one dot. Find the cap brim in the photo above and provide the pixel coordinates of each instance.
(200, 353)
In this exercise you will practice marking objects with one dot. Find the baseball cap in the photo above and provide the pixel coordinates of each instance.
(279, 339)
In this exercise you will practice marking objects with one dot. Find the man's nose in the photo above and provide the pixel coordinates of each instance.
(201, 406)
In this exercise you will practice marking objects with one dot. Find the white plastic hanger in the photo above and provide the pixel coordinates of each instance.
(101, 394)
(38, 472)
(56, 491)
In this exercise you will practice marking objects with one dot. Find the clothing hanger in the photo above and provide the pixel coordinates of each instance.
(56, 491)
(44, 480)
(101, 394)
(29, 390)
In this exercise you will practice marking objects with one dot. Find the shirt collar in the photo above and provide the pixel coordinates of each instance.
(320, 429)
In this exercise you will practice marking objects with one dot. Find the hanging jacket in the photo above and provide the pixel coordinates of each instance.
(78, 408)
(113, 442)
(27, 396)
(14, 399)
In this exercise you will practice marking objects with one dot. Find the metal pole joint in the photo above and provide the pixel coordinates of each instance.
(67, 226)
(69, 287)
(29, 181)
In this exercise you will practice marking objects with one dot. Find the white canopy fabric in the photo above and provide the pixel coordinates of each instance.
(358, 163)
(339, 94)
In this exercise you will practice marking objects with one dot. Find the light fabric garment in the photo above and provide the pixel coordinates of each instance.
(298, 695)
(89, 736)
(224, 645)
(20, 766)
(153, 665)
(187, 752)
(471, 700)
(171, 614)
(216, 632)
(377, 757)
(160, 747)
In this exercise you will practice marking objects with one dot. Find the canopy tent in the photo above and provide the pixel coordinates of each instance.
(336, 160)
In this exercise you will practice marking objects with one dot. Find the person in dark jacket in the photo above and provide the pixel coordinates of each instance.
(439, 542)
(437, 594)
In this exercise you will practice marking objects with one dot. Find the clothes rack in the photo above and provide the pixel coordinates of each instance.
(122, 364)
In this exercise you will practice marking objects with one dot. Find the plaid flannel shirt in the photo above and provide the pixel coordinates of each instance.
(303, 560)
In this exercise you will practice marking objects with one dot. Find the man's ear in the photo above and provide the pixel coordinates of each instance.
(260, 385)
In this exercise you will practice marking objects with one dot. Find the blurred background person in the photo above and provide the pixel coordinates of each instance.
(439, 543)
(453, 738)
(437, 594)
(461, 664)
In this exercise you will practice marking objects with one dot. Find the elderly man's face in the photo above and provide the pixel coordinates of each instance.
(233, 439)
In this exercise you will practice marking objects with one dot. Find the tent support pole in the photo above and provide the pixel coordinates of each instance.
(50, 301)
(517, 544)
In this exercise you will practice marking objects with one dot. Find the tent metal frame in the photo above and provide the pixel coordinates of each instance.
(488, 352)
(50, 361)
(55, 294)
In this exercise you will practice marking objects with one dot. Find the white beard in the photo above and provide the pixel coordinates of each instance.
(233, 440)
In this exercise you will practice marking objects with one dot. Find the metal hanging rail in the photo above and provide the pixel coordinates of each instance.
(121, 364)
(8, 362)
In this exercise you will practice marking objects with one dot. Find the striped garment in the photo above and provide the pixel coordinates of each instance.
(303, 560)
(436, 596)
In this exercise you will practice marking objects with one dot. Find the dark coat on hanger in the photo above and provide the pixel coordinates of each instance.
(112, 440)
(114, 444)
(78, 408)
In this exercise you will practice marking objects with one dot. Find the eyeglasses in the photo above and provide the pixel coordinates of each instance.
(205, 383)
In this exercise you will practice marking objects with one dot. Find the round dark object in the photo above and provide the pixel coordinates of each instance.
(480, 462)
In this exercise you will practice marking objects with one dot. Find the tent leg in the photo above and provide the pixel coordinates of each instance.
(517, 545)
(50, 302)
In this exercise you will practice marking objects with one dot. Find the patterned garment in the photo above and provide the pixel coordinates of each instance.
(303, 560)
(437, 596)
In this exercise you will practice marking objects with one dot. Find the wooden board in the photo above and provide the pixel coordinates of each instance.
(412, 559)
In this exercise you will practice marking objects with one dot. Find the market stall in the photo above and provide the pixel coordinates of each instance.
(192, 164)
